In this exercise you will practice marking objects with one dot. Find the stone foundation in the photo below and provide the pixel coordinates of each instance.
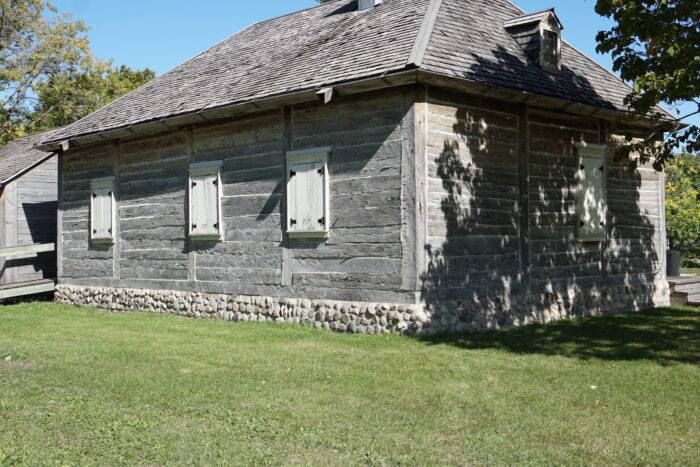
(374, 318)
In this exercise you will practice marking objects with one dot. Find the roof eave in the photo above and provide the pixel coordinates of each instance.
(398, 78)
(29, 168)
(512, 95)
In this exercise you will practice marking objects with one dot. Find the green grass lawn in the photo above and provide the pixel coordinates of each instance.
(695, 271)
(85, 387)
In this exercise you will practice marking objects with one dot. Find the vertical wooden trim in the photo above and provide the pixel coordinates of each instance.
(604, 139)
(287, 252)
(3, 192)
(421, 184)
(11, 229)
(59, 217)
(524, 191)
(409, 222)
(663, 236)
(191, 255)
(116, 214)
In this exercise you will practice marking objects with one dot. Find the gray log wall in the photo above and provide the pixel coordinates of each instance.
(362, 259)
(27, 216)
(502, 215)
(460, 205)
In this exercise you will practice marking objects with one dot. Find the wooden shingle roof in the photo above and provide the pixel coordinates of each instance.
(334, 43)
(20, 155)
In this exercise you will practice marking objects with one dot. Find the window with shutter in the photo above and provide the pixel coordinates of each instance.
(102, 210)
(205, 201)
(591, 197)
(307, 193)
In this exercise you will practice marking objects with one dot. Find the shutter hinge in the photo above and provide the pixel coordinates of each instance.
(602, 168)
(194, 226)
(582, 224)
(602, 224)
(322, 220)
(109, 194)
(583, 167)
(94, 231)
(194, 184)
(94, 195)
(322, 170)
(292, 221)
(216, 226)
(292, 173)
(216, 182)
(109, 230)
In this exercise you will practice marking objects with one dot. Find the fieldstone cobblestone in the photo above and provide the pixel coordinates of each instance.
(484, 313)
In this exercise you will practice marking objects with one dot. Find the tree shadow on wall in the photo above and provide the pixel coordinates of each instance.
(477, 276)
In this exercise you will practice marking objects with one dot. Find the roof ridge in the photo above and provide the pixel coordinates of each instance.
(420, 46)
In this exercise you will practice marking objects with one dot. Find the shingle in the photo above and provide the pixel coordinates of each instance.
(470, 42)
(334, 43)
(309, 49)
(20, 154)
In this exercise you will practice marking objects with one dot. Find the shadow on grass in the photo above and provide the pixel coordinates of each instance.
(668, 335)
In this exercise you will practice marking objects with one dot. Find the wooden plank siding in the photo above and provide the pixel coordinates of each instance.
(476, 216)
(473, 190)
(362, 259)
(434, 195)
(28, 217)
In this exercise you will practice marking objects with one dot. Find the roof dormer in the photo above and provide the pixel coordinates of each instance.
(539, 35)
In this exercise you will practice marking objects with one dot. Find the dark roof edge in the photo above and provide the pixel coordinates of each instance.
(424, 32)
(397, 78)
(26, 169)
(517, 96)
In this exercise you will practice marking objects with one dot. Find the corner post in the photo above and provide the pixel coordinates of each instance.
(287, 252)
(524, 191)
(59, 217)
(116, 248)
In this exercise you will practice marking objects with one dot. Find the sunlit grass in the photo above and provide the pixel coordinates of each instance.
(88, 387)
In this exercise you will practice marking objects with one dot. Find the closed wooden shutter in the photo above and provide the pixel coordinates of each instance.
(591, 199)
(102, 210)
(307, 194)
(205, 201)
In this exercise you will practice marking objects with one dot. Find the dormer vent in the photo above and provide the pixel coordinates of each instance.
(539, 35)
(367, 4)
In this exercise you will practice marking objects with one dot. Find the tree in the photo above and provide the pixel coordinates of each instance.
(48, 75)
(33, 47)
(655, 45)
(67, 97)
(683, 201)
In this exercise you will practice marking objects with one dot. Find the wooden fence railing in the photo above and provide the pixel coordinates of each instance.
(24, 250)
(26, 288)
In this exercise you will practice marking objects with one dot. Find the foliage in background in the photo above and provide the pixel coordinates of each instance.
(655, 45)
(67, 97)
(683, 201)
(48, 75)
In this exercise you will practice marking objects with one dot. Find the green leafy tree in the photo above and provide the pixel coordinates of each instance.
(655, 45)
(683, 201)
(33, 47)
(48, 75)
(67, 97)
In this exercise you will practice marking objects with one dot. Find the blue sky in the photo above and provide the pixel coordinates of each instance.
(161, 34)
